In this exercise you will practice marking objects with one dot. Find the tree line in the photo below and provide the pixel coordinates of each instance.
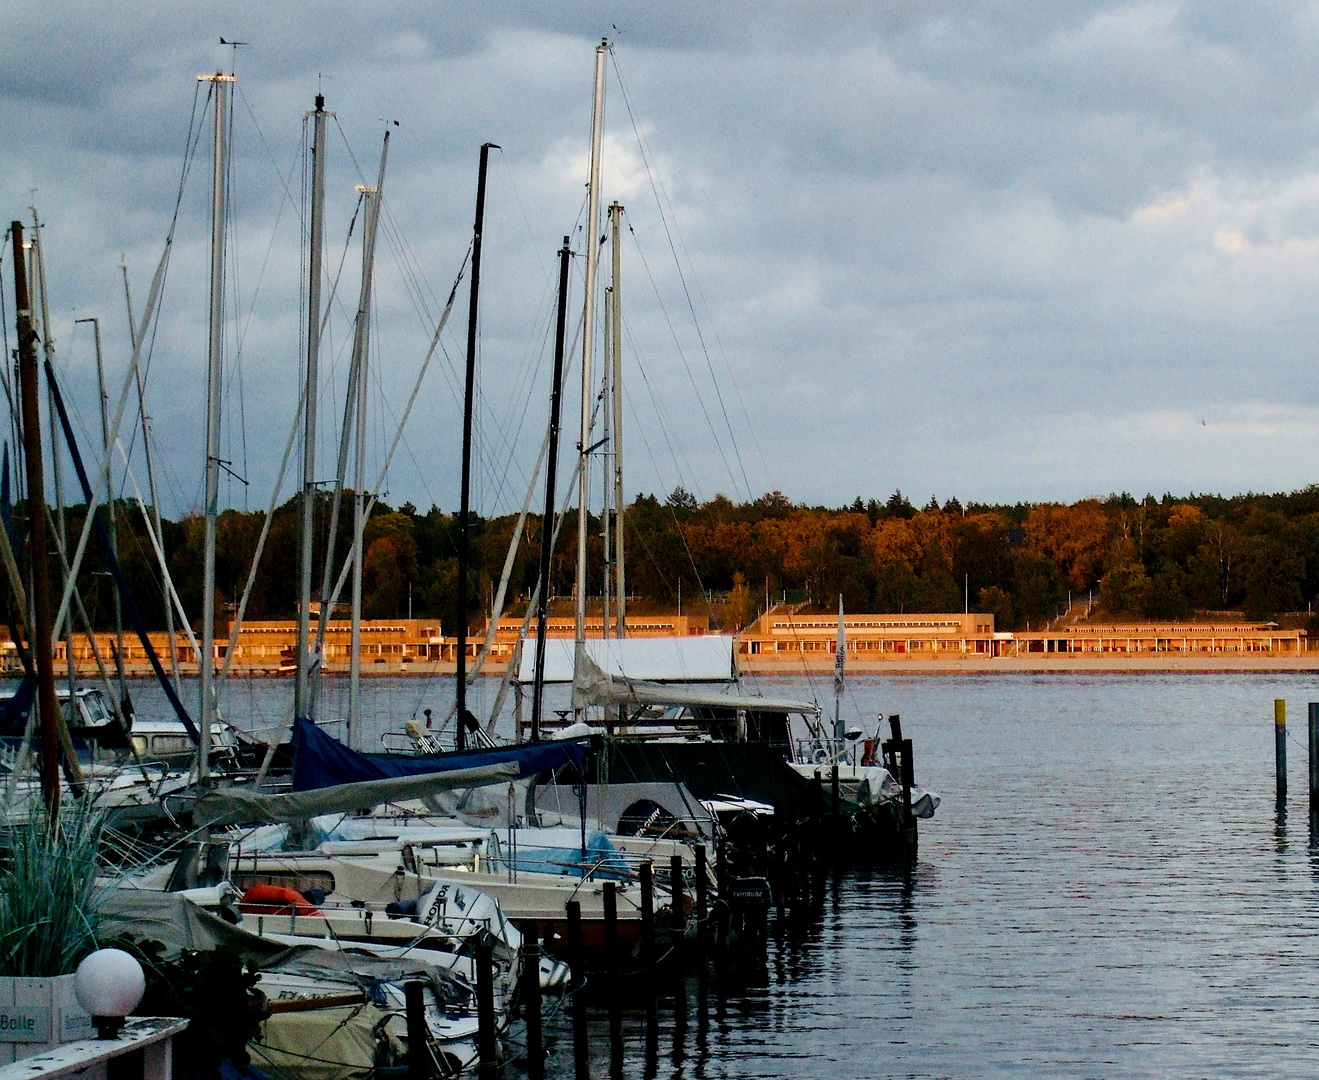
(1164, 558)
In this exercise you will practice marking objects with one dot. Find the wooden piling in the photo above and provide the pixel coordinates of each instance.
(485, 1010)
(1314, 756)
(675, 891)
(1280, 747)
(574, 910)
(647, 873)
(701, 897)
(418, 1034)
(833, 791)
(724, 888)
(611, 928)
(531, 1004)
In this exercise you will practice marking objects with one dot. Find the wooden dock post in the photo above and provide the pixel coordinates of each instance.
(531, 1001)
(611, 929)
(581, 1059)
(1314, 757)
(701, 908)
(1280, 747)
(574, 909)
(647, 874)
(418, 1033)
(485, 1011)
(833, 792)
(675, 891)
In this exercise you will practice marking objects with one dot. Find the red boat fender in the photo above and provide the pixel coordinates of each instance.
(868, 752)
(275, 900)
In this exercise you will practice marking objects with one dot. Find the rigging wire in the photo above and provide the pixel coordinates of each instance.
(656, 188)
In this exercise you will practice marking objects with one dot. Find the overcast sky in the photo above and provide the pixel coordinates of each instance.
(976, 249)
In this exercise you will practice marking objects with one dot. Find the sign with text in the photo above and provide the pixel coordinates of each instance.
(21, 1023)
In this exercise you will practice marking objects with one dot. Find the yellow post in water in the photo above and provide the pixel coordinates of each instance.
(1280, 747)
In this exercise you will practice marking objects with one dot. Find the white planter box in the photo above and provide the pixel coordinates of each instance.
(38, 1014)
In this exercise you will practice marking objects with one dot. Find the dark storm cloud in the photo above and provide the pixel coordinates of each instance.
(967, 248)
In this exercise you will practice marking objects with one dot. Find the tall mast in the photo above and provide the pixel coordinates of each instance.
(214, 361)
(361, 351)
(39, 631)
(48, 348)
(460, 735)
(151, 475)
(588, 343)
(112, 524)
(606, 474)
(616, 324)
(551, 469)
(305, 537)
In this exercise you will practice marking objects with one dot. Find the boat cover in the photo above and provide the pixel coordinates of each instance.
(596, 686)
(176, 922)
(559, 851)
(708, 658)
(320, 1044)
(236, 806)
(321, 761)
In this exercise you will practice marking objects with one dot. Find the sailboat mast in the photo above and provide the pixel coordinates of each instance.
(57, 478)
(301, 700)
(606, 474)
(150, 455)
(616, 324)
(840, 666)
(588, 343)
(551, 471)
(112, 524)
(362, 348)
(214, 359)
(464, 511)
(40, 630)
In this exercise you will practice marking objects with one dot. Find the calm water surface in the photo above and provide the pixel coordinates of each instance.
(1105, 891)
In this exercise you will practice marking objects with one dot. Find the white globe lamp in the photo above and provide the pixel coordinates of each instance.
(109, 984)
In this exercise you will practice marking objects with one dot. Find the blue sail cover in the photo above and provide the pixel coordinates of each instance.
(320, 760)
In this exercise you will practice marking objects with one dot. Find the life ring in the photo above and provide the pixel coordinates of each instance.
(821, 755)
(275, 900)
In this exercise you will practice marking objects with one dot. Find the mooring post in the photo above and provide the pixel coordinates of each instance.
(531, 1001)
(575, 961)
(675, 891)
(418, 1035)
(574, 909)
(1280, 746)
(833, 790)
(701, 897)
(1314, 756)
(647, 872)
(485, 1010)
(611, 929)
(722, 891)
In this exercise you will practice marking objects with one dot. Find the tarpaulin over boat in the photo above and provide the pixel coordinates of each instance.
(708, 658)
(237, 806)
(175, 921)
(321, 761)
(320, 1044)
(595, 686)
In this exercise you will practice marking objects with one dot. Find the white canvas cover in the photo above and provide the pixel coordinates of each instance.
(709, 658)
